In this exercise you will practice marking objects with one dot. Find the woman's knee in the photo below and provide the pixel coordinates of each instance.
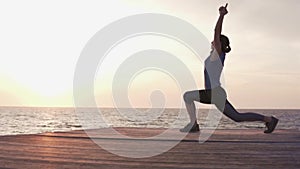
(237, 119)
(231, 112)
(188, 97)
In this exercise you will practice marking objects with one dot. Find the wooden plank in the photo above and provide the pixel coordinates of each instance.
(225, 149)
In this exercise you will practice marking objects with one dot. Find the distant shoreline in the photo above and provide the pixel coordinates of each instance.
(70, 107)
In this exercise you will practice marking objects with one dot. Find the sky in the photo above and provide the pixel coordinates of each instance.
(41, 42)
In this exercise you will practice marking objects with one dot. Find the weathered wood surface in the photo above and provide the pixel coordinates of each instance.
(225, 149)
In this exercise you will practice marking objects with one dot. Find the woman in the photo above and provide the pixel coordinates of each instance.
(214, 93)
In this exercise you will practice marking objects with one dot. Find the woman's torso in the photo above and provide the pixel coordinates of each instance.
(213, 70)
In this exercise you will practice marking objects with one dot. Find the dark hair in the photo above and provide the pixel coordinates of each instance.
(225, 44)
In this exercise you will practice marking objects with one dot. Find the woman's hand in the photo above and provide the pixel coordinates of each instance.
(223, 10)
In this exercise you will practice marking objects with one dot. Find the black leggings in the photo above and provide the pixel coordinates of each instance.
(232, 113)
(218, 97)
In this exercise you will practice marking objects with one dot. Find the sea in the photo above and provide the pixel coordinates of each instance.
(33, 120)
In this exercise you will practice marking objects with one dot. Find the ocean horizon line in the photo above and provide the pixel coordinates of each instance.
(108, 107)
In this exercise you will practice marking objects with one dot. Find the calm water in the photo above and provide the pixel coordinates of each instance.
(28, 120)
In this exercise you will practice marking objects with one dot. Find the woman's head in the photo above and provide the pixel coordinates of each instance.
(225, 44)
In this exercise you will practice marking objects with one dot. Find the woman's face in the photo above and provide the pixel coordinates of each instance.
(212, 45)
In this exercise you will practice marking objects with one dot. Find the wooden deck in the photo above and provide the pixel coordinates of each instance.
(225, 149)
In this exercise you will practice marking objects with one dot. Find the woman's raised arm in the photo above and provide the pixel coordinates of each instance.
(218, 29)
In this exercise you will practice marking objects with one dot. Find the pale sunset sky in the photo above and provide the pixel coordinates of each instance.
(41, 41)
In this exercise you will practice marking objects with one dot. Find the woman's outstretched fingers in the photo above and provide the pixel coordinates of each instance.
(226, 5)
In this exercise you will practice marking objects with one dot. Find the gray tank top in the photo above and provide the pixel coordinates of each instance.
(212, 71)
